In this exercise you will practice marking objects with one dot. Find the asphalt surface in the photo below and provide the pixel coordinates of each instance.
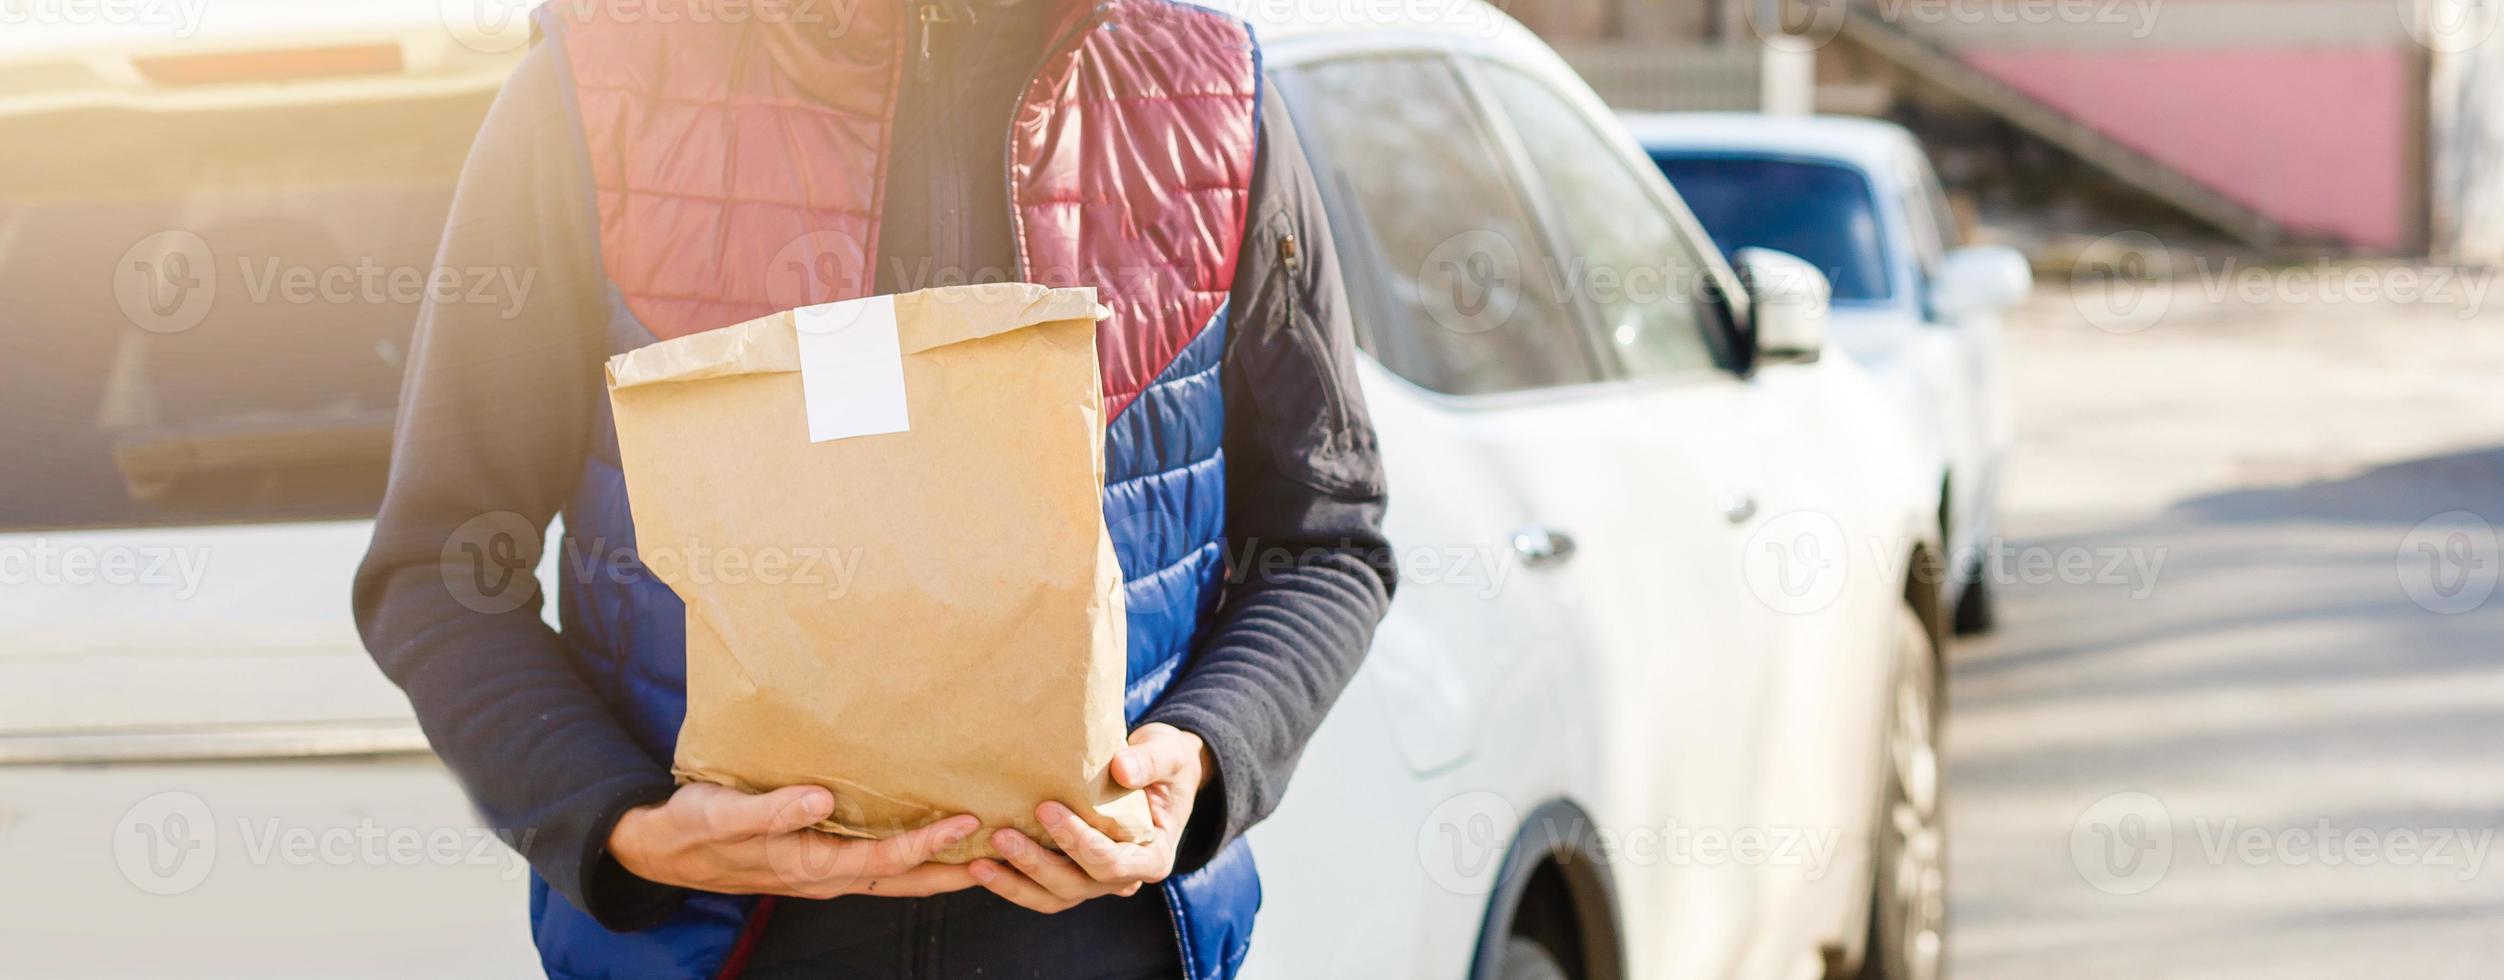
(2244, 713)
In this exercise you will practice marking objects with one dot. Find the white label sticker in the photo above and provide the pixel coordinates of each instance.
(851, 368)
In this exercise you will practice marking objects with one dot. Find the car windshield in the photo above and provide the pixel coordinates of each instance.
(1823, 213)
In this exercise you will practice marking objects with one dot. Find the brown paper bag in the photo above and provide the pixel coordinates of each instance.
(927, 622)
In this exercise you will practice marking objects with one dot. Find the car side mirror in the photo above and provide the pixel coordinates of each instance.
(1980, 279)
(1788, 299)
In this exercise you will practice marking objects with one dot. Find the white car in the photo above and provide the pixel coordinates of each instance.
(1858, 199)
(1659, 696)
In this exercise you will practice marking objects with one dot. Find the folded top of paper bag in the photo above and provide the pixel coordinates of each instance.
(923, 319)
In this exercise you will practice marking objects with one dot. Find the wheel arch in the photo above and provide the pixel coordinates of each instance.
(1554, 888)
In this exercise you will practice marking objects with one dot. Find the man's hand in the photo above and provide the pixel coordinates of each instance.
(1169, 764)
(716, 839)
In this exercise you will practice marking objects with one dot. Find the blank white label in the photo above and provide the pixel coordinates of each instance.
(851, 368)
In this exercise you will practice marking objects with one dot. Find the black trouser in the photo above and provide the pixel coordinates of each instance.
(971, 933)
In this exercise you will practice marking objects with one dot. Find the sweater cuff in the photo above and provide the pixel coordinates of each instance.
(610, 894)
(1224, 808)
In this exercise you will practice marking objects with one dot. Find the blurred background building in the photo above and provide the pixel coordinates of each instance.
(2342, 127)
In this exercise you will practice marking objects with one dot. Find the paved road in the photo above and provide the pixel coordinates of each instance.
(2253, 727)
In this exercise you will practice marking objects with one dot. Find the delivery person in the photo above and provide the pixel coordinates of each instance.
(669, 169)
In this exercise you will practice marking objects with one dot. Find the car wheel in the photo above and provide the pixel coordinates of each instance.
(1973, 607)
(1908, 906)
(1525, 959)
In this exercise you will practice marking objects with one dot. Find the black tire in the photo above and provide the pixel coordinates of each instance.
(1908, 927)
(1525, 959)
(1974, 614)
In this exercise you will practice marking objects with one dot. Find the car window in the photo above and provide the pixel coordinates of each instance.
(1623, 253)
(246, 372)
(1824, 213)
(1423, 204)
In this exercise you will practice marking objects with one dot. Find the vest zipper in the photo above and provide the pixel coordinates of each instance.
(928, 15)
(946, 179)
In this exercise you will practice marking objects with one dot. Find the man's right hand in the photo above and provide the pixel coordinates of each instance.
(717, 839)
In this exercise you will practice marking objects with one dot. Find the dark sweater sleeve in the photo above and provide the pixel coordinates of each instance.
(1311, 570)
(495, 412)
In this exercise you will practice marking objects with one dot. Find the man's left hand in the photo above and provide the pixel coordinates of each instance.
(1169, 764)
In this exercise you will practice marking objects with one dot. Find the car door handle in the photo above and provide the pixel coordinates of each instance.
(1542, 545)
(1738, 507)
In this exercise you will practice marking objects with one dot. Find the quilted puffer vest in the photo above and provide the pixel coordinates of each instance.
(725, 193)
